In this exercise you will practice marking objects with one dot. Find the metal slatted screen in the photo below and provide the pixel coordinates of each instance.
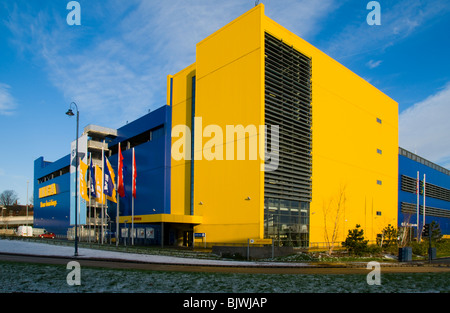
(408, 184)
(287, 189)
(288, 105)
(411, 209)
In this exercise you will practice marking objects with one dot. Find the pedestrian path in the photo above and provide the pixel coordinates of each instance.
(45, 249)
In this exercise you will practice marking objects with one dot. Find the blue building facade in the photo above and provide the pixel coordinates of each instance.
(437, 193)
(150, 136)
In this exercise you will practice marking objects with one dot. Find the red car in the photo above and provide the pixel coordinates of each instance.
(47, 235)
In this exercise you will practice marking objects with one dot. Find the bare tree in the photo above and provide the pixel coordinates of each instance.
(331, 215)
(8, 197)
(404, 235)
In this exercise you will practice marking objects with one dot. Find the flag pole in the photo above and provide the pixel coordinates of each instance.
(90, 191)
(423, 199)
(103, 186)
(118, 198)
(132, 203)
(418, 194)
(79, 198)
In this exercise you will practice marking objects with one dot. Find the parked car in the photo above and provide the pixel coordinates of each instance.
(47, 235)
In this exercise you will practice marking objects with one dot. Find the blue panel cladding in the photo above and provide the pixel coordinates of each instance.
(152, 163)
(52, 212)
(409, 168)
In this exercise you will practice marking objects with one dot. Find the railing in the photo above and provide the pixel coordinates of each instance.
(13, 221)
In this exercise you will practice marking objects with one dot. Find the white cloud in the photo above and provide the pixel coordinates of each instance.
(397, 23)
(424, 128)
(121, 68)
(373, 64)
(7, 102)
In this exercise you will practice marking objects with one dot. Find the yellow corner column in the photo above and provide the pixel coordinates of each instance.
(180, 97)
(228, 192)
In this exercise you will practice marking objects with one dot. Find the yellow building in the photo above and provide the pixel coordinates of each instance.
(337, 159)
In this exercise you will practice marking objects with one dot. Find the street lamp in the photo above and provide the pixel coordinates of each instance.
(70, 113)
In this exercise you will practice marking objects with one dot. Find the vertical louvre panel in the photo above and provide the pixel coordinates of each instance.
(288, 105)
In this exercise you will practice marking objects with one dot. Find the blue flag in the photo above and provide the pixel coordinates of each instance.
(108, 188)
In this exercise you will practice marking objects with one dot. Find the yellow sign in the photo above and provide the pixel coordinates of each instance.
(52, 203)
(47, 191)
(261, 241)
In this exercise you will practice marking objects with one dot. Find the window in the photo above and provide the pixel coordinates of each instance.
(146, 136)
(379, 182)
(379, 213)
(286, 222)
(55, 174)
(379, 151)
(379, 120)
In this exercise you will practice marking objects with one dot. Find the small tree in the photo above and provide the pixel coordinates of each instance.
(389, 236)
(355, 242)
(436, 234)
(332, 214)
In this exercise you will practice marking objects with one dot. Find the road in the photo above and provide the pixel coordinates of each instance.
(443, 266)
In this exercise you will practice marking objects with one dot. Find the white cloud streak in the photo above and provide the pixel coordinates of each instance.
(424, 128)
(373, 64)
(8, 104)
(398, 22)
(120, 69)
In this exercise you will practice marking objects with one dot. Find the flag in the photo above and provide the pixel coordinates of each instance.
(134, 175)
(83, 184)
(98, 185)
(92, 186)
(108, 188)
(120, 186)
(417, 184)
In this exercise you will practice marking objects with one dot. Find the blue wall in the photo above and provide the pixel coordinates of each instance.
(152, 163)
(409, 168)
(52, 218)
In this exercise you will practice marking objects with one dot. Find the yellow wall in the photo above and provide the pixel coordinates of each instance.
(346, 136)
(229, 74)
(230, 92)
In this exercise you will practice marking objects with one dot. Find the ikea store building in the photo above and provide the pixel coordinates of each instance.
(263, 137)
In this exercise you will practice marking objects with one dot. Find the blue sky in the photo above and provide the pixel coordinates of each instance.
(114, 65)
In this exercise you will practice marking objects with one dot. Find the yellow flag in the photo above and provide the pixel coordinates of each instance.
(83, 182)
(98, 185)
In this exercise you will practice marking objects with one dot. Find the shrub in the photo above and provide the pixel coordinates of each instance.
(419, 248)
(389, 236)
(355, 242)
(373, 249)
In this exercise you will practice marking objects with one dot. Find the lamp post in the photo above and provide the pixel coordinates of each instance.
(27, 201)
(70, 113)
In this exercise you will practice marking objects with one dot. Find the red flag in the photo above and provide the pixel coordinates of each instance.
(417, 184)
(120, 186)
(134, 175)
